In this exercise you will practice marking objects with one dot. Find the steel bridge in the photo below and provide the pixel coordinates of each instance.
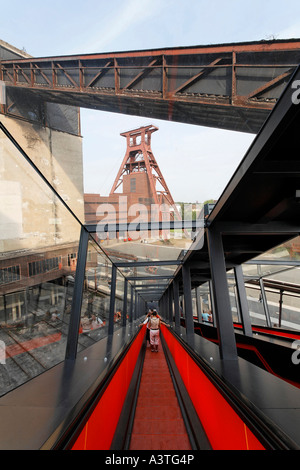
(226, 86)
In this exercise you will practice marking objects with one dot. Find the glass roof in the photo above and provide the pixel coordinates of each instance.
(149, 262)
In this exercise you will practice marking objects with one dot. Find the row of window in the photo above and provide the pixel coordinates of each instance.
(12, 273)
(44, 266)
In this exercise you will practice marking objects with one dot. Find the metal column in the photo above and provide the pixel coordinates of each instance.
(176, 305)
(188, 306)
(170, 291)
(198, 304)
(124, 313)
(242, 300)
(223, 314)
(71, 348)
(112, 300)
(265, 302)
(211, 300)
(131, 305)
(135, 305)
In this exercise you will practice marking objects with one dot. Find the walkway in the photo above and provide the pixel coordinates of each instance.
(158, 423)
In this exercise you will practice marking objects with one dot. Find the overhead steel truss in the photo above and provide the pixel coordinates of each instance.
(230, 86)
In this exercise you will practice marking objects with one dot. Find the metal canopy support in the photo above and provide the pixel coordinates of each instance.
(71, 348)
(112, 299)
(147, 278)
(242, 301)
(131, 304)
(145, 226)
(221, 296)
(170, 293)
(265, 303)
(212, 302)
(124, 313)
(176, 305)
(198, 303)
(135, 305)
(138, 264)
(165, 305)
(150, 286)
(188, 306)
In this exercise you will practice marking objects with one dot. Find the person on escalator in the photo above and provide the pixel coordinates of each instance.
(146, 322)
(154, 325)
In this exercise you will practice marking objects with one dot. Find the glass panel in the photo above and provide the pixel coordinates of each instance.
(234, 304)
(194, 304)
(255, 304)
(205, 302)
(39, 242)
(119, 301)
(284, 309)
(277, 277)
(256, 271)
(273, 306)
(96, 297)
(287, 251)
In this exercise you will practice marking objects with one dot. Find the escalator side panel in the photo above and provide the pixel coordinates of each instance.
(223, 426)
(100, 428)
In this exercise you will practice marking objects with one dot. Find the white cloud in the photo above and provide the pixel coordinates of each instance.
(291, 32)
(115, 26)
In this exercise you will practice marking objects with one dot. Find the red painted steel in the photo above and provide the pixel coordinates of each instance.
(139, 159)
(224, 428)
(99, 430)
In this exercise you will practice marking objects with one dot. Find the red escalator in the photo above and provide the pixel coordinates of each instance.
(158, 422)
(169, 400)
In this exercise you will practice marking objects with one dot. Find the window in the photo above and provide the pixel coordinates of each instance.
(44, 266)
(10, 274)
(132, 185)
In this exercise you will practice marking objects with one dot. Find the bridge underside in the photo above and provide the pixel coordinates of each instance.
(232, 86)
(208, 115)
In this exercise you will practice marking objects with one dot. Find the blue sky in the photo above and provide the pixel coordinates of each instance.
(73, 27)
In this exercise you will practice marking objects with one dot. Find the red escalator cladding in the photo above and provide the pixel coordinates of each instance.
(224, 428)
(99, 430)
(158, 423)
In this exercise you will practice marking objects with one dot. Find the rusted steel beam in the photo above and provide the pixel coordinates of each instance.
(100, 74)
(115, 87)
(206, 70)
(142, 74)
(59, 67)
(254, 46)
(186, 82)
(270, 84)
(36, 68)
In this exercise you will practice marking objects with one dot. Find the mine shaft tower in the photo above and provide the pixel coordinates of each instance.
(139, 162)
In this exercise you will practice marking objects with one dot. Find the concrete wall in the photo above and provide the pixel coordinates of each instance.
(30, 216)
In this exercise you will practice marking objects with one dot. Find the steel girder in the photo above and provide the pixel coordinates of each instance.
(229, 86)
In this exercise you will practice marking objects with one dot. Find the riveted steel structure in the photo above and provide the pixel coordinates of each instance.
(139, 159)
(229, 86)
